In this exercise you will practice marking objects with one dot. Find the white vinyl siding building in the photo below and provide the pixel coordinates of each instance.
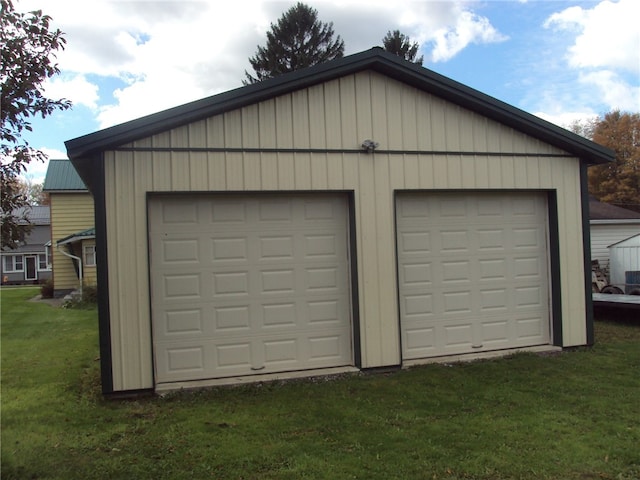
(262, 240)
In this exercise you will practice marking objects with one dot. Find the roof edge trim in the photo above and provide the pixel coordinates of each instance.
(374, 59)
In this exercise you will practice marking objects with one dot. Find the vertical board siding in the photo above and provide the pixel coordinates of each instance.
(571, 253)
(336, 115)
(70, 213)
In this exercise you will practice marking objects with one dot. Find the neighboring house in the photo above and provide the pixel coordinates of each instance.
(608, 225)
(72, 221)
(29, 263)
(363, 213)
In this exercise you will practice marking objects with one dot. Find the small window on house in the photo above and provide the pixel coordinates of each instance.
(13, 263)
(90, 255)
(43, 261)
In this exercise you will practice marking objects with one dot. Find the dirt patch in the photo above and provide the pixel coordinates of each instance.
(54, 302)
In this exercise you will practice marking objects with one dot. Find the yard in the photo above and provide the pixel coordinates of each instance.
(574, 415)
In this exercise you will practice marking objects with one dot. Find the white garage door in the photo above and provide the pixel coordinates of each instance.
(247, 285)
(472, 272)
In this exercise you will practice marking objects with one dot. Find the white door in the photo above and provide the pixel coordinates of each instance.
(248, 284)
(472, 272)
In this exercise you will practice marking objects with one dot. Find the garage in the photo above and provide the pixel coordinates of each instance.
(473, 272)
(248, 284)
(362, 214)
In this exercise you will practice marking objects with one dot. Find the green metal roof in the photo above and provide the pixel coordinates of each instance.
(62, 176)
(74, 237)
(86, 150)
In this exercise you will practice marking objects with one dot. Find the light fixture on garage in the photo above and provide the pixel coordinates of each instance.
(369, 146)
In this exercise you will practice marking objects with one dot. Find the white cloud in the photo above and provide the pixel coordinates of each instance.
(599, 64)
(469, 28)
(170, 52)
(614, 91)
(607, 34)
(565, 119)
(75, 88)
(445, 27)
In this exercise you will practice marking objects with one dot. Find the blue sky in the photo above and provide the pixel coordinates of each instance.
(561, 60)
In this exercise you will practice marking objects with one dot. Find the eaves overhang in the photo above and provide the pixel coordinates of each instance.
(91, 145)
(77, 237)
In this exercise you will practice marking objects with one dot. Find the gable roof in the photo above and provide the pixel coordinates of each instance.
(605, 211)
(375, 59)
(62, 176)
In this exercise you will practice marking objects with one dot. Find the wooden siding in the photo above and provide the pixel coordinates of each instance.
(70, 213)
(336, 115)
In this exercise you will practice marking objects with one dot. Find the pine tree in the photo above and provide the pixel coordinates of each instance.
(297, 40)
(400, 44)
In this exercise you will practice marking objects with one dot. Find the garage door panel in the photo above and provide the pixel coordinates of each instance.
(182, 286)
(186, 359)
(490, 239)
(472, 272)
(274, 210)
(276, 247)
(182, 212)
(493, 270)
(231, 318)
(229, 249)
(193, 360)
(494, 301)
(183, 322)
(224, 211)
(453, 241)
(258, 284)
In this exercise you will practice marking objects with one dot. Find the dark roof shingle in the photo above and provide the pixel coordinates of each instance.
(606, 211)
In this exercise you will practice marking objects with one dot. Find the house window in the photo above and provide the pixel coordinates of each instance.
(43, 261)
(13, 263)
(90, 255)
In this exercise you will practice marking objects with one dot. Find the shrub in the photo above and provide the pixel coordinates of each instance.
(90, 294)
(88, 300)
(46, 290)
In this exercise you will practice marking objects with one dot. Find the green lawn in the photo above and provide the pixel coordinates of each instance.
(574, 415)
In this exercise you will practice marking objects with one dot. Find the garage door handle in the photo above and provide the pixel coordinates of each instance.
(476, 346)
(258, 368)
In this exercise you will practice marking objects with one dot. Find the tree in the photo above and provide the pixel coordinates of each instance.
(297, 40)
(29, 47)
(33, 191)
(619, 181)
(400, 44)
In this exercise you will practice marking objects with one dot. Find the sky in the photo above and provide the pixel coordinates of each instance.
(560, 60)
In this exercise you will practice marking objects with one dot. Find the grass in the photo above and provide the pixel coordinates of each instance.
(574, 415)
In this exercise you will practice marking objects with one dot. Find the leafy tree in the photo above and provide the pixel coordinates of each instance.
(29, 46)
(33, 191)
(400, 44)
(15, 224)
(297, 40)
(619, 181)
